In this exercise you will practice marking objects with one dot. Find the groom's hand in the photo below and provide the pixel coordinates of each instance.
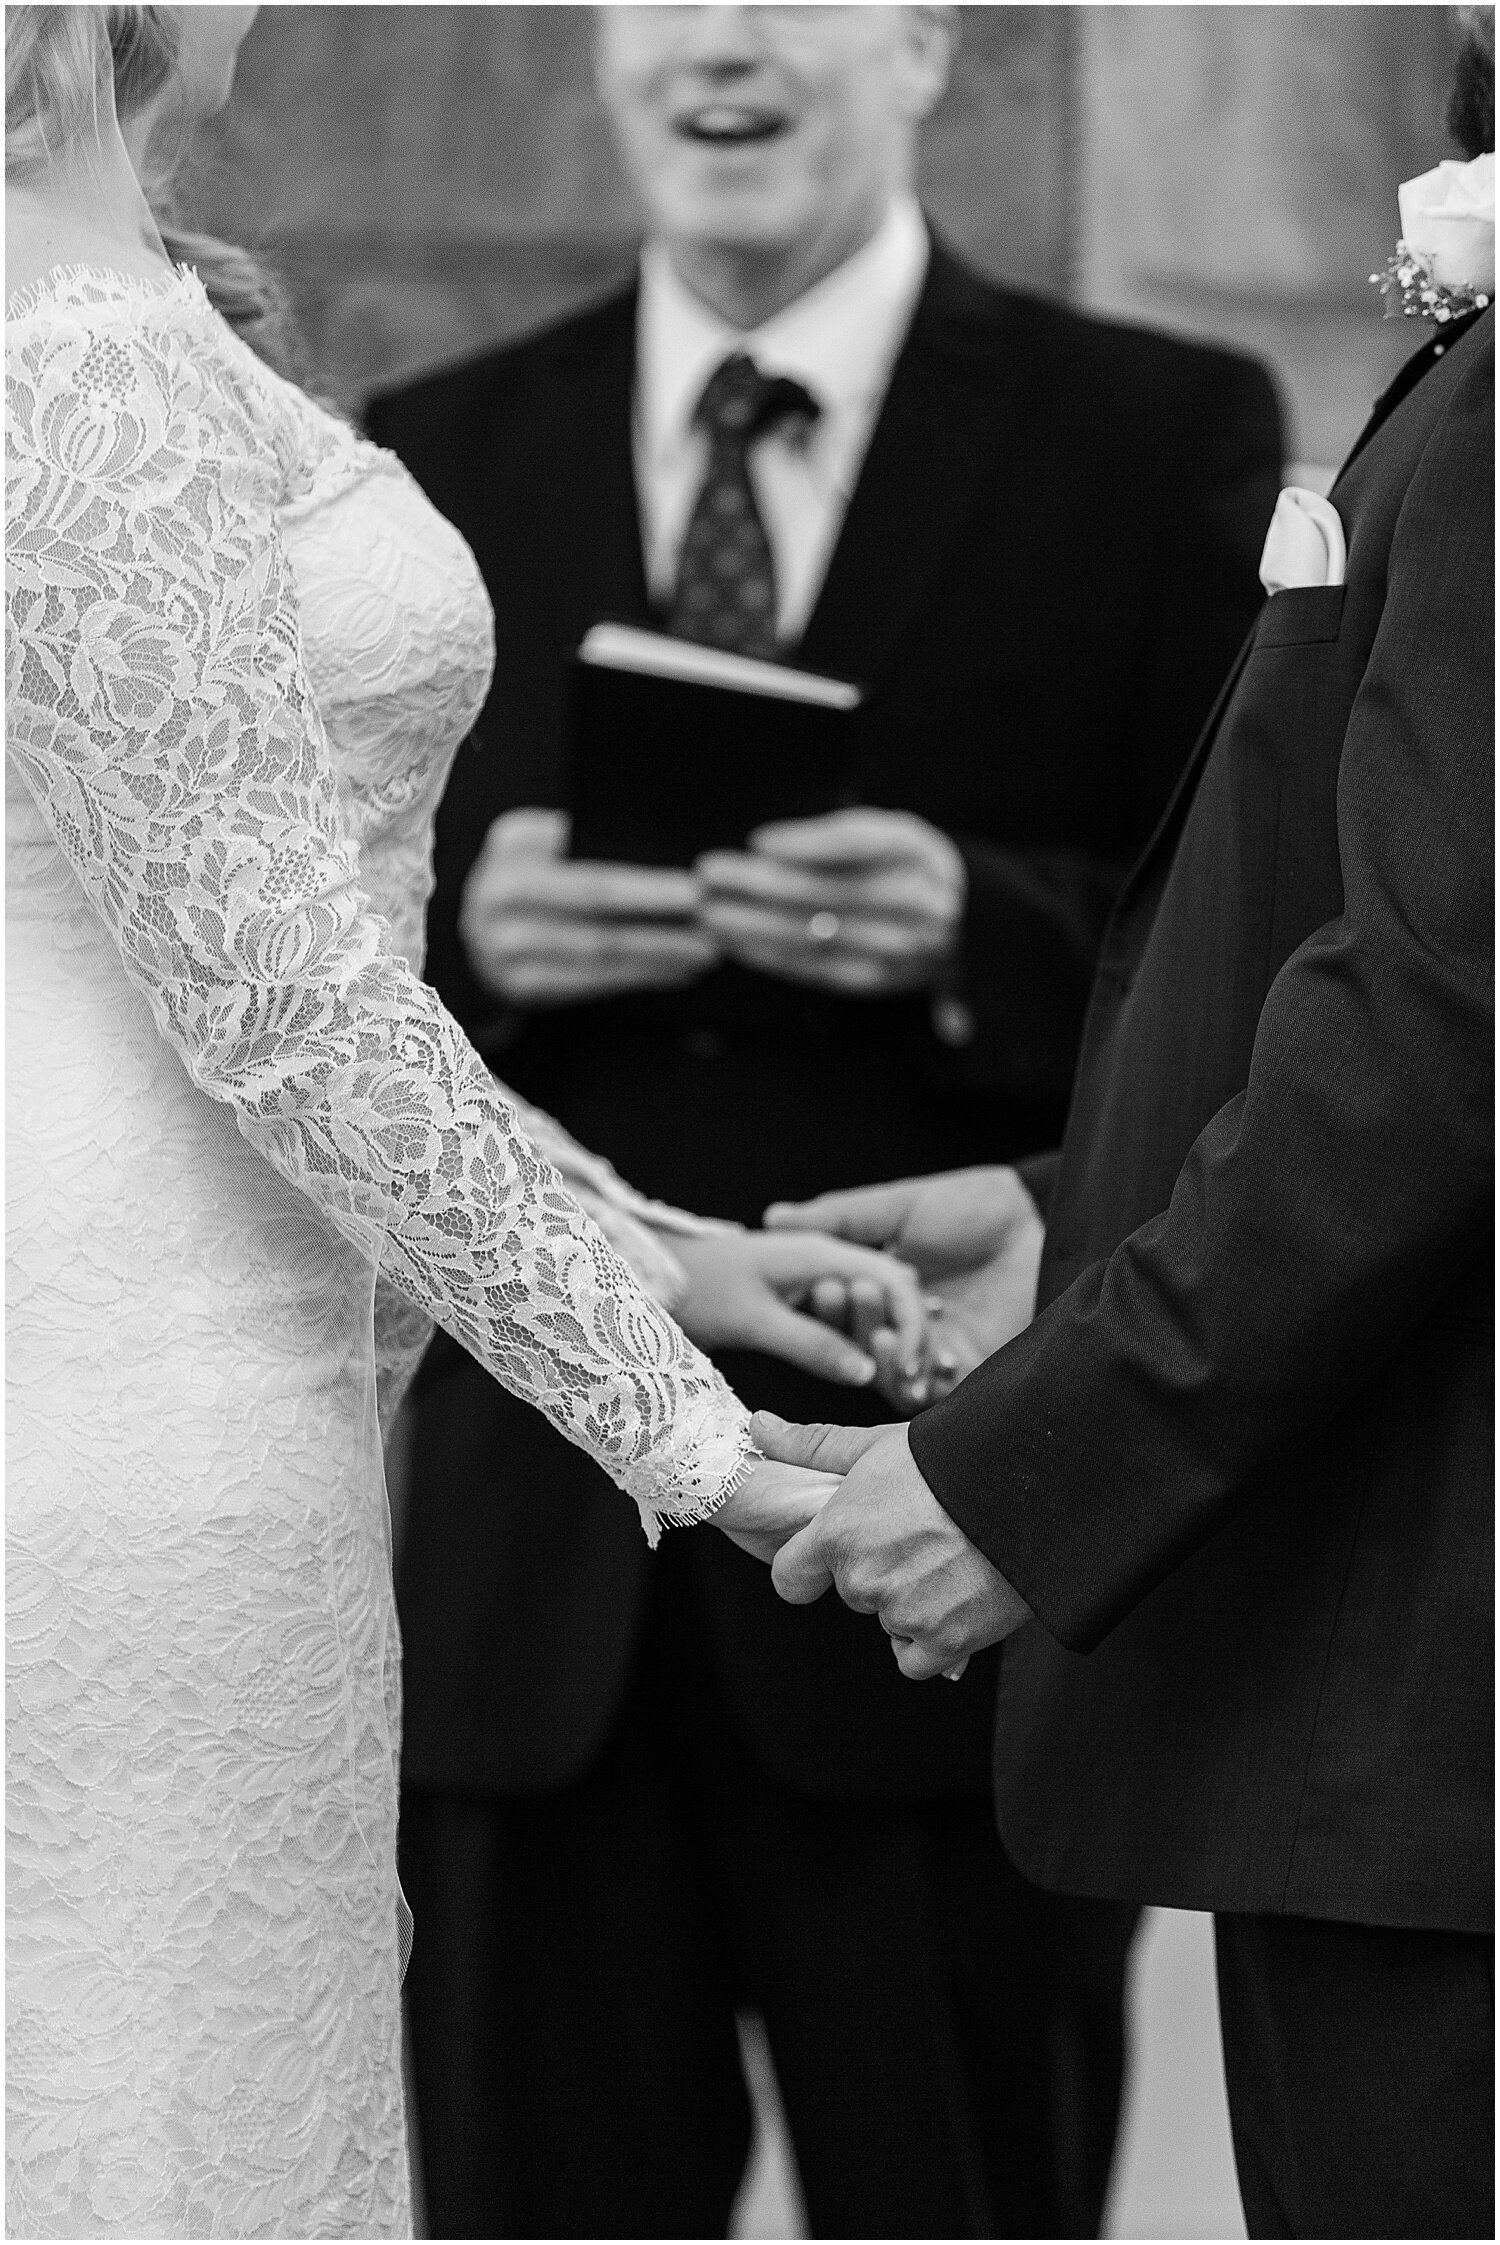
(863, 901)
(886, 1545)
(974, 1238)
(543, 929)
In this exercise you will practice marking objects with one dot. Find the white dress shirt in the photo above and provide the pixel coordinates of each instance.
(840, 341)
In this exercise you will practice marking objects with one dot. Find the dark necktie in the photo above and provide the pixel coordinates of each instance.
(726, 580)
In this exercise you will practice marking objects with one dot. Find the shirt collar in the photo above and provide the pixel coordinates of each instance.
(839, 340)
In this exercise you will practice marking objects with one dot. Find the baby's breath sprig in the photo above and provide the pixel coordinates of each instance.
(1410, 291)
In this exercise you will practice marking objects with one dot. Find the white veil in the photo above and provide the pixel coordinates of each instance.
(72, 194)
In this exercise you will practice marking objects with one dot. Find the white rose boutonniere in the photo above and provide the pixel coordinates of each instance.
(1444, 264)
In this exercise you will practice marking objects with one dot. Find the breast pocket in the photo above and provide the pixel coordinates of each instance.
(1301, 617)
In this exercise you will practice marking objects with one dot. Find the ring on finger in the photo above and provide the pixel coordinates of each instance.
(823, 928)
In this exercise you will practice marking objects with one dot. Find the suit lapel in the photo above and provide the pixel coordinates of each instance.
(948, 421)
(1420, 363)
(1179, 802)
(588, 511)
(1170, 823)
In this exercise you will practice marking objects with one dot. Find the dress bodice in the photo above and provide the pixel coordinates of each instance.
(397, 639)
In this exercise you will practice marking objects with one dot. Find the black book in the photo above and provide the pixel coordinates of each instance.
(674, 749)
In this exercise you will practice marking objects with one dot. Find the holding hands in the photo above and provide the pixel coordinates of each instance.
(886, 1545)
(909, 1284)
(882, 1540)
(765, 1290)
(748, 1290)
(974, 1239)
(776, 1500)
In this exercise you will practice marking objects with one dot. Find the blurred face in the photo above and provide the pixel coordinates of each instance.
(763, 128)
(1471, 105)
(205, 60)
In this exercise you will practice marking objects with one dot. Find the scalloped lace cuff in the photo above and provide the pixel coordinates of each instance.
(716, 1456)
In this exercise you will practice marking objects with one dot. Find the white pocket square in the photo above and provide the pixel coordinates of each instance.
(1304, 545)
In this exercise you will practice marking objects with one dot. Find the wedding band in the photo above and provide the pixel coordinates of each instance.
(823, 928)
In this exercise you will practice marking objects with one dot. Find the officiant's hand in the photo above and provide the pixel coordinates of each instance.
(543, 929)
(864, 901)
(754, 1290)
(974, 1238)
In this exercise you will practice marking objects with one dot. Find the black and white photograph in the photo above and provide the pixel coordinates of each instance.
(749, 1153)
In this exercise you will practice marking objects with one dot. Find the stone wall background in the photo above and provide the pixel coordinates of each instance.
(436, 179)
(1239, 170)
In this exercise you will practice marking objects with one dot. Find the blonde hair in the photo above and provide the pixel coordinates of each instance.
(53, 60)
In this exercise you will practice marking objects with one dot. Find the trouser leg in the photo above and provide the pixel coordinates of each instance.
(1037, 1985)
(1359, 2062)
(837, 1950)
(574, 2056)
(948, 2039)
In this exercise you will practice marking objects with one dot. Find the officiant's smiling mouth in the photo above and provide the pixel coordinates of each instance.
(726, 124)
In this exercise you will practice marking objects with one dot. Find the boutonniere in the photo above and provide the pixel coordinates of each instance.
(1444, 264)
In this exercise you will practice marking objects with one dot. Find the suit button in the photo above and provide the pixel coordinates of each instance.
(703, 1044)
(953, 1023)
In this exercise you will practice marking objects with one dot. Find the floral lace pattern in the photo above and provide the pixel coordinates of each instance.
(240, 652)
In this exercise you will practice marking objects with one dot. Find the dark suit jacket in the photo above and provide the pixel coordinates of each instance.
(1242, 1464)
(1047, 563)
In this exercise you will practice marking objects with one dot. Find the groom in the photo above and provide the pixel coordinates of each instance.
(1238, 1473)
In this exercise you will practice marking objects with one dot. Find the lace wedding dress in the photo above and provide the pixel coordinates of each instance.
(248, 1155)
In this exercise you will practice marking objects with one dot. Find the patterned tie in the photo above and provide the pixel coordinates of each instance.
(726, 580)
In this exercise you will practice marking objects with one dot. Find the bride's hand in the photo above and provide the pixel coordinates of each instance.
(771, 1504)
(767, 1291)
(974, 1237)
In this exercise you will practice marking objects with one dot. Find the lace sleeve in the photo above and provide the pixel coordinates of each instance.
(159, 713)
(639, 1226)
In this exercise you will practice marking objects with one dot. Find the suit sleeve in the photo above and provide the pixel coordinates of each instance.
(1034, 919)
(1325, 1210)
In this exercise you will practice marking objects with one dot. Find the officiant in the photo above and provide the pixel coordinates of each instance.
(639, 1793)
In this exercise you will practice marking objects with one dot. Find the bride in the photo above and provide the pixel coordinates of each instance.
(249, 1156)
